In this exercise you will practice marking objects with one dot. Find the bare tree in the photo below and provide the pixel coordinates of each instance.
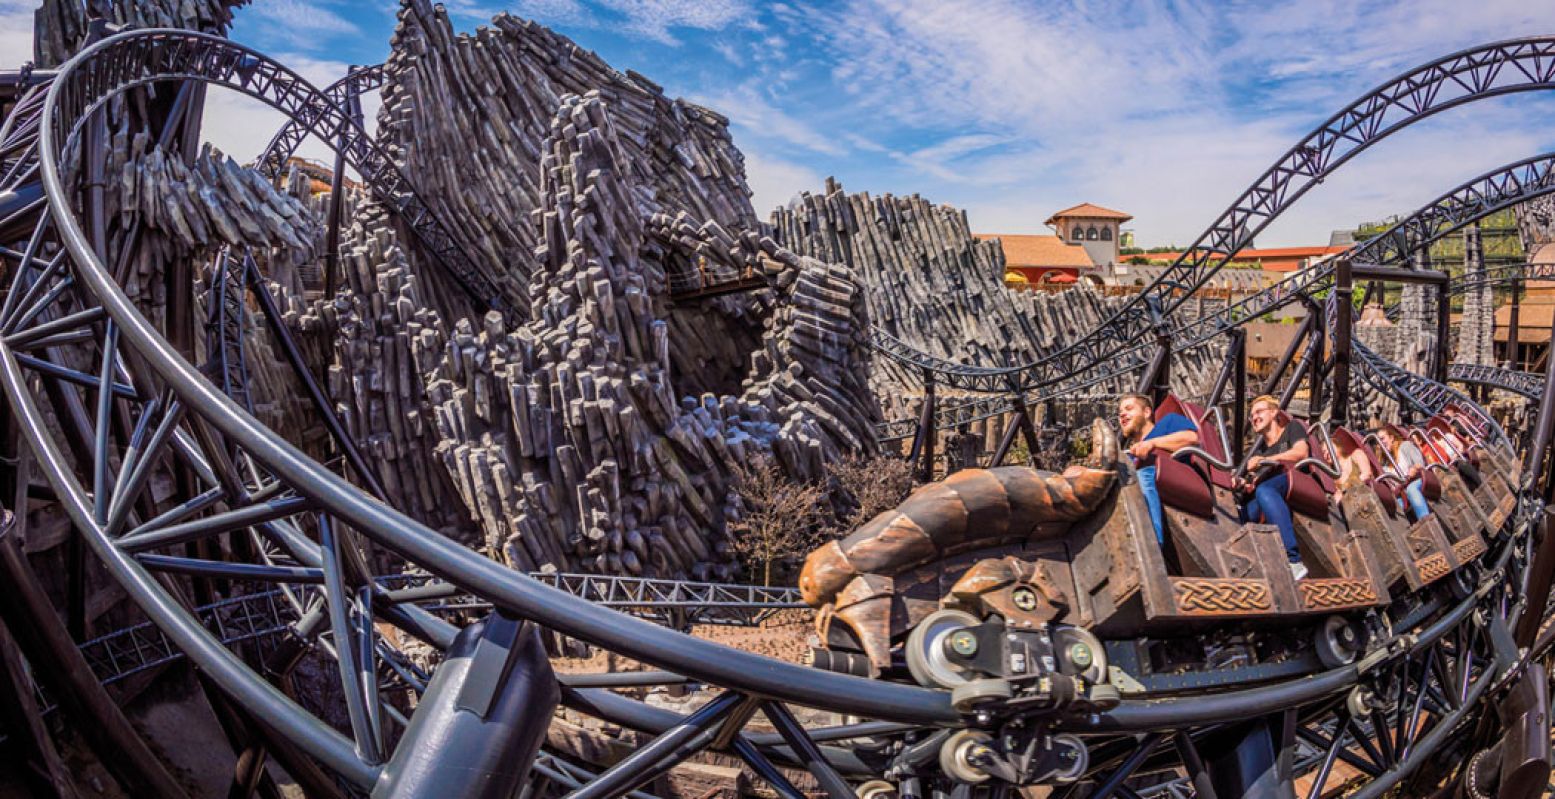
(780, 518)
(870, 485)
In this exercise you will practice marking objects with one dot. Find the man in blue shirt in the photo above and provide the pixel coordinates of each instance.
(1146, 436)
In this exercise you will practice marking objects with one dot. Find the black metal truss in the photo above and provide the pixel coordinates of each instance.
(19, 138)
(1462, 205)
(128, 403)
(1482, 72)
(1386, 722)
(1418, 391)
(1402, 242)
(138, 58)
(1528, 384)
(360, 80)
(678, 602)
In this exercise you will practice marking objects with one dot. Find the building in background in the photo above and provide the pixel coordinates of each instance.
(1042, 260)
(1093, 227)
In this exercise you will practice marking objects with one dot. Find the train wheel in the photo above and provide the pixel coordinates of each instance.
(1338, 642)
(968, 695)
(1079, 758)
(877, 789)
(956, 756)
(926, 649)
(1083, 652)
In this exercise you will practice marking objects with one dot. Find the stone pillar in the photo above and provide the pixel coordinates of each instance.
(1477, 326)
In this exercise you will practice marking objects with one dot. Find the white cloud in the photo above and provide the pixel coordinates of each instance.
(1168, 110)
(746, 107)
(774, 181)
(653, 19)
(300, 20)
(15, 33)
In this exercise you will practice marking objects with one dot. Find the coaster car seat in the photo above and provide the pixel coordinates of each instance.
(1304, 494)
(1184, 483)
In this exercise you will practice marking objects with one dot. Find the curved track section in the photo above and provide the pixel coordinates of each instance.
(143, 57)
(272, 161)
(1474, 74)
(1527, 384)
(1442, 654)
(1470, 201)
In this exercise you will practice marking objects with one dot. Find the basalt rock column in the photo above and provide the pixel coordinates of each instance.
(935, 286)
(568, 437)
(1475, 343)
(467, 116)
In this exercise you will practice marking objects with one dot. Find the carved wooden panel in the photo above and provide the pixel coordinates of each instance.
(1216, 596)
(1333, 594)
(1469, 548)
(1433, 567)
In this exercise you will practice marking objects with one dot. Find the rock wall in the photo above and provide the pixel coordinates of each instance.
(1536, 222)
(467, 116)
(933, 285)
(61, 27)
(567, 435)
(1475, 341)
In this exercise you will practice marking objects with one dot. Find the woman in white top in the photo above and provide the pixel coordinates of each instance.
(1408, 466)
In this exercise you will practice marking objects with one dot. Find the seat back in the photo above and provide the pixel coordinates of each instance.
(1305, 494)
(1209, 438)
(1320, 452)
(1184, 483)
(1431, 485)
(1433, 454)
(1387, 490)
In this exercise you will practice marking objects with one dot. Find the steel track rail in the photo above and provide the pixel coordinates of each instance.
(1527, 384)
(305, 483)
(1468, 202)
(1474, 74)
(292, 134)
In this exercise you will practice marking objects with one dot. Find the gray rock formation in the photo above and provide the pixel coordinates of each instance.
(567, 435)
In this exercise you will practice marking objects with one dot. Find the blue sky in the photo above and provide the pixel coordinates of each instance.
(1012, 110)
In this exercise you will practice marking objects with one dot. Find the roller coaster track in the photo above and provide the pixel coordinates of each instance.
(272, 161)
(169, 55)
(1478, 73)
(1466, 203)
(1423, 394)
(1386, 714)
(126, 652)
(1528, 384)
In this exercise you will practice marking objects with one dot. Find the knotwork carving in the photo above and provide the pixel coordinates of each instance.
(1469, 548)
(1317, 594)
(1433, 567)
(1212, 595)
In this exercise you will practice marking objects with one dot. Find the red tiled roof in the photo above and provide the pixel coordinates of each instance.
(1036, 251)
(1089, 211)
(1280, 259)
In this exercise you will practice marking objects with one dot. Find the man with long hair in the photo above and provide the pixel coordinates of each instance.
(1145, 437)
(1279, 443)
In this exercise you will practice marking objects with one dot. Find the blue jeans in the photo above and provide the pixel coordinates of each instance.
(1153, 500)
(1415, 493)
(1268, 507)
